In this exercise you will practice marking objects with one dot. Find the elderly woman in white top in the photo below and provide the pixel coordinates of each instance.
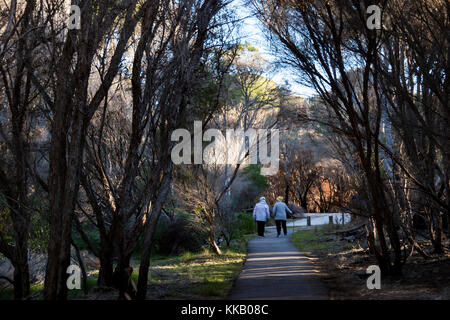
(261, 213)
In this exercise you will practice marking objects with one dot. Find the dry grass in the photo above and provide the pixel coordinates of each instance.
(343, 267)
(202, 275)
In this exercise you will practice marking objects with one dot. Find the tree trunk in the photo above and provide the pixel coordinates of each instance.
(286, 193)
(21, 222)
(436, 231)
(448, 223)
(304, 201)
(63, 194)
(72, 114)
(59, 179)
(121, 273)
(105, 274)
(21, 281)
(384, 216)
(149, 232)
(82, 267)
(213, 243)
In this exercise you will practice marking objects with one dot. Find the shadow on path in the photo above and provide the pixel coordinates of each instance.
(275, 269)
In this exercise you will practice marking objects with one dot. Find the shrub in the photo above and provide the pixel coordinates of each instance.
(179, 237)
(244, 224)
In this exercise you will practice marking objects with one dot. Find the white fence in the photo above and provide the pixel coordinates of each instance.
(318, 219)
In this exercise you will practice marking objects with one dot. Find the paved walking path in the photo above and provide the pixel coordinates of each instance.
(275, 269)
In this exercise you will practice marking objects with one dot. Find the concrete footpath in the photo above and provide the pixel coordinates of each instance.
(275, 269)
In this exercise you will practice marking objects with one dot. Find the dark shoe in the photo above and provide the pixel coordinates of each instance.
(278, 235)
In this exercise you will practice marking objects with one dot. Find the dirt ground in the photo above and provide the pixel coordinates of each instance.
(344, 272)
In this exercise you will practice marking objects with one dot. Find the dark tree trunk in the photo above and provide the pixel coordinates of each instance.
(59, 179)
(82, 267)
(286, 193)
(15, 183)
(64, 182)
(105, 274)
(21, 281)
(304, 201)
(72, 114)
(436, 226)
(448, 223)
(148, 235)
(121, 273)
(384, 217)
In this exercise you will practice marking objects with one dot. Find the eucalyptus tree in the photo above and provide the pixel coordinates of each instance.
(128, 172)
(332, 49)
(19, 131)
(73, 99)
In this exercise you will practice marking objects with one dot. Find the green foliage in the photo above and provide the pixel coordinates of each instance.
(39, 231)
(39, 236)
(244, 224)
(5, 222)
(317, 240)
(91, 282)
(251, 48)
(8, 293)
(201, 274)
(91, 232)
(253, 171)
(176, 235)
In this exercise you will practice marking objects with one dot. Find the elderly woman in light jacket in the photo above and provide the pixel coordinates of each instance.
(279, 214)
(261, 213)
